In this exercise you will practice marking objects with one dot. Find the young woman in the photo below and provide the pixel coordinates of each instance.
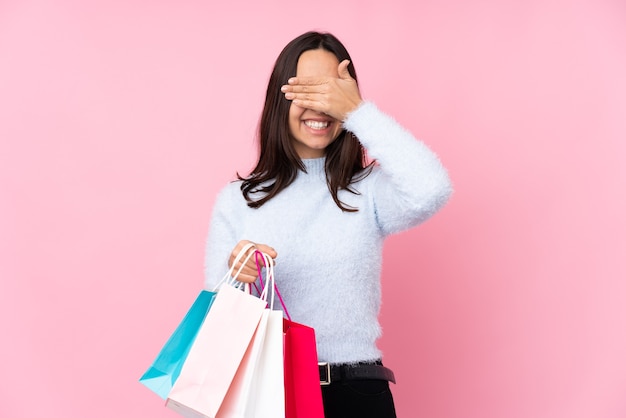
(315, 205)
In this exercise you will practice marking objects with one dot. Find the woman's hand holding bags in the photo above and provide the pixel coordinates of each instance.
(237, 357)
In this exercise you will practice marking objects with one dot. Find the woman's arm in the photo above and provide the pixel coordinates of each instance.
(223, 242)
(412, 183)
(221, 239)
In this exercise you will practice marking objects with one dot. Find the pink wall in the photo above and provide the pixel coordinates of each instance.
(119, 121)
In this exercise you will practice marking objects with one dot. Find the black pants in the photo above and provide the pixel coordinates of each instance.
(358, 399)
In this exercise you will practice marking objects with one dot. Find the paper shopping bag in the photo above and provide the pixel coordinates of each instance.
(267, 394)
(216, 354)
(165, 369)
(303, 394)
(237, 397)
(258, 387)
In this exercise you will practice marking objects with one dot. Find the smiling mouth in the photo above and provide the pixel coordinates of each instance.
(314, 124)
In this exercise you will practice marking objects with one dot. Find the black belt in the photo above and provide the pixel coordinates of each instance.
(334, 372)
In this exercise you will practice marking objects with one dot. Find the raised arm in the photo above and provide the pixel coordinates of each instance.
(411, 184)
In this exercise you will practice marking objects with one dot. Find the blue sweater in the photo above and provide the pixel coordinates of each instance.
(329, 261)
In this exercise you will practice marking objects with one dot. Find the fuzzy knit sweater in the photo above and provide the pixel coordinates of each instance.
(329, 262)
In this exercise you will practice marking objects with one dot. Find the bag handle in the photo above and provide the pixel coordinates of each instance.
(268, 263)
(269, 274)
(231, 279)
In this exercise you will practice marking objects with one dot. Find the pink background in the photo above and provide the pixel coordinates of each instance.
(119, 122)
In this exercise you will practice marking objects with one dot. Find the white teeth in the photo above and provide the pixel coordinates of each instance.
(313, 124)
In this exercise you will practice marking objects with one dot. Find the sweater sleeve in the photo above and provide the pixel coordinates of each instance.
(411, 184)
(221, 239)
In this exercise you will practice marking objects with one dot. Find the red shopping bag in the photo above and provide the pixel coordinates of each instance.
(303, 393)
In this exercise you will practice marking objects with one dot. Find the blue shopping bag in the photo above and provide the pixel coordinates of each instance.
(161, 376)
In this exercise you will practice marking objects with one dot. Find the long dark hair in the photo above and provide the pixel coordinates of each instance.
(279, 163)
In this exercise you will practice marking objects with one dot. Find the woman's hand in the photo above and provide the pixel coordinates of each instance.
(249, 272)
(335, 97)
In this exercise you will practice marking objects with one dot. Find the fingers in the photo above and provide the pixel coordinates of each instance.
(333, 96)
(249, 271)
(318, 87)
(237, 250)
(316, 96)
(300, 82)
(314, 101)
(267, 250)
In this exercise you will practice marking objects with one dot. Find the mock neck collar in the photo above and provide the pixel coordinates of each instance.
(315, 167)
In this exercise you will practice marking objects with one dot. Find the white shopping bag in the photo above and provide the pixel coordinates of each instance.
(267, 396)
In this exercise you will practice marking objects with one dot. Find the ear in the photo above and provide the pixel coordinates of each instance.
(344, 74)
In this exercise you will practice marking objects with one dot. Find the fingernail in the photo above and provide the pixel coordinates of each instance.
(289, 96)
(284, 88)
(291, 80)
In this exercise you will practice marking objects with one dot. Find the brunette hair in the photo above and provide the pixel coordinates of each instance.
(278, 162)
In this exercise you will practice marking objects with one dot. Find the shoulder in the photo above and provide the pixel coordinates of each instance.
(364, 181)
(229, 195)
(369, 174)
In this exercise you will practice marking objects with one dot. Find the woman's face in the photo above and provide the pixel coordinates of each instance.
(312, 131)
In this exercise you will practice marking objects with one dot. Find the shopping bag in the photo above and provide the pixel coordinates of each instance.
(303, 393)
(257, 389)
(267, 395)
(217, 352)
(165, 369)
(237, 398)
(267, 391)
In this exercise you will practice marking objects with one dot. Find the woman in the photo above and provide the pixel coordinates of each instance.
(313, 199)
